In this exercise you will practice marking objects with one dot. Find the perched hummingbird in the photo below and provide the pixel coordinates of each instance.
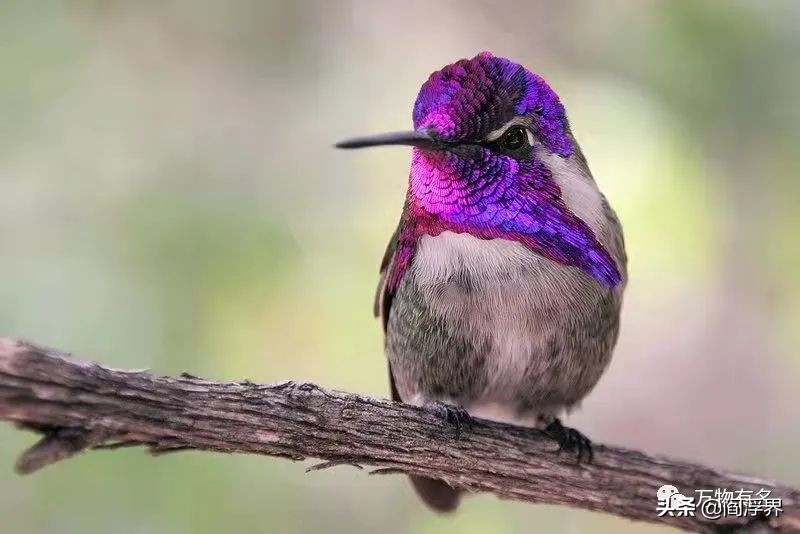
(501, 288)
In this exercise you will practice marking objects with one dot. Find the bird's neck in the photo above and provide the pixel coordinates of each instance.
(443, 195)
(551, 205)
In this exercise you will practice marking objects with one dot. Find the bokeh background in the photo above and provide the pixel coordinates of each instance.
(169, 199)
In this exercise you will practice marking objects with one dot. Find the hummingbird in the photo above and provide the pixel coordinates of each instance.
(500, 290)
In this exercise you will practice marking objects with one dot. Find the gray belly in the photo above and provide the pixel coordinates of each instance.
(495, 328)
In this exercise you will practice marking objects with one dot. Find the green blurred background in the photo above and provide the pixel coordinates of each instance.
(169, 199)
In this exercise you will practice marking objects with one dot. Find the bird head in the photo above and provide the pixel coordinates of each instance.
(494, 157)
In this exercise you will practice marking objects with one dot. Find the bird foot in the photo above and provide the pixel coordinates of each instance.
(453, 415)
(570, 440)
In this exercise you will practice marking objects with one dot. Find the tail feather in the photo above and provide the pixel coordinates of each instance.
(438, 495)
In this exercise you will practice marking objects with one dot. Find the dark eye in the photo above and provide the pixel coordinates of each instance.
(514, 138)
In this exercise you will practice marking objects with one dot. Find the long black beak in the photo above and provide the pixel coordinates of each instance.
(417, 138)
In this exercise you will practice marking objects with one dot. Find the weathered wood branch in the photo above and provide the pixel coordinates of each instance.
(79, 405)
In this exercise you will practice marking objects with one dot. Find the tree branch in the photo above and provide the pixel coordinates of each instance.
(79, 405)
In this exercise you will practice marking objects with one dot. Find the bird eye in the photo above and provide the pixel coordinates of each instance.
(514, 138)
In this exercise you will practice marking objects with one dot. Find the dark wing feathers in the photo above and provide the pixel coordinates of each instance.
(383, 300)
(383, 297)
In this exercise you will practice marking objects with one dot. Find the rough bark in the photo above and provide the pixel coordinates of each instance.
(79, 405)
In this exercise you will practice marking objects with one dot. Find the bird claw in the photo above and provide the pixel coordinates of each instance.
(570, 440)
(453, 415)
